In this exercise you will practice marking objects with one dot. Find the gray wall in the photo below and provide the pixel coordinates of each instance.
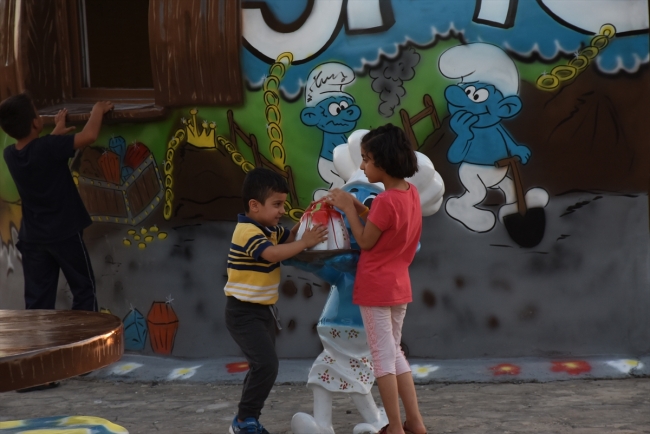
(585, 290)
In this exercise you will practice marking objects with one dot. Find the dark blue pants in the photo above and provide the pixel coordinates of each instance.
(41, 265)
(252, 327)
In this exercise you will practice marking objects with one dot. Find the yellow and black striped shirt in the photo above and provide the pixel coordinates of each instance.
(251, 278)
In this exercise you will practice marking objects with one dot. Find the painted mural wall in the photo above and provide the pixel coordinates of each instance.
(535, 113)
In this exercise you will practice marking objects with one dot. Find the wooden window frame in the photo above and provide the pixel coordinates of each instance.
(38, 54)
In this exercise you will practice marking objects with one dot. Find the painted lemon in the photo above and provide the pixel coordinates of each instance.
(162, 235)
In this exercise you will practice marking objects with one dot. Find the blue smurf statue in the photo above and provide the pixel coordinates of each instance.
(345, 365)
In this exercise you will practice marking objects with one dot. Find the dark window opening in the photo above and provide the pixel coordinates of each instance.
(114, 43)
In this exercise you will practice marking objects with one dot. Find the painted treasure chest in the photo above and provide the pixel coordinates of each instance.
(120, 184)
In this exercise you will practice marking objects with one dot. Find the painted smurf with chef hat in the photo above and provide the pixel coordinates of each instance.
(332, 111)
(345, 365)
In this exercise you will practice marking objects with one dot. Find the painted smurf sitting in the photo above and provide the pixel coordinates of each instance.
(345, 365)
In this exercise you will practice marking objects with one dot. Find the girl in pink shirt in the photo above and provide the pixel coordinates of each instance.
(382, 285)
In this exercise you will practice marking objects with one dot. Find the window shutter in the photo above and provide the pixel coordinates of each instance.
(195, 52)
(9, 81)
(39, 52)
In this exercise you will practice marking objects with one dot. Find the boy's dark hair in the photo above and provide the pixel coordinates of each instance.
(261, 183)
(391, 151)
(16, 115)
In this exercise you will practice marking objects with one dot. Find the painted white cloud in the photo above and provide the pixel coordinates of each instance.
(423, 371)
(125, 368)
(625, 365)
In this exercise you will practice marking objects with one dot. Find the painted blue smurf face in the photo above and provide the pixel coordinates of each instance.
(482, 100)
(365, 193)
(336, 114)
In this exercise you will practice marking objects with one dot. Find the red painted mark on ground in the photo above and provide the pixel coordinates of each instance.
(236, 367)
(505, 369)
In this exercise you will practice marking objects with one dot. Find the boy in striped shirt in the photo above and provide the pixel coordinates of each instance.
(258, 245)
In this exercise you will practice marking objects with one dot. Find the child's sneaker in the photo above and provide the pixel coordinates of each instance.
(250, 425)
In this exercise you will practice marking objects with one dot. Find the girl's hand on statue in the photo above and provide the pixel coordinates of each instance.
(341, 199)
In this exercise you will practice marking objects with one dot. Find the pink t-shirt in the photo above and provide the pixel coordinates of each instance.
(382, 273)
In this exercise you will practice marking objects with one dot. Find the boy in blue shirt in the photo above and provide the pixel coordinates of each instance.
(258, 245)
(54, 217)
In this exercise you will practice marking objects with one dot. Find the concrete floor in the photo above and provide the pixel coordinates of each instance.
(575, 406)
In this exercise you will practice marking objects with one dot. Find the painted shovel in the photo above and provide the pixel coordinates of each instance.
(525, 227)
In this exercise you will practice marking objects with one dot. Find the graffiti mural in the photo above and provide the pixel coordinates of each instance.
(487, 94)
(533, 112)
(121, 184)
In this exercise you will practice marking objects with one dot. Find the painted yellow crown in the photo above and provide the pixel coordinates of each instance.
(204, 139)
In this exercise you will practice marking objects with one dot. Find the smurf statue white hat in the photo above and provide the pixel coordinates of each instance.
(431, 187)
(327, 80)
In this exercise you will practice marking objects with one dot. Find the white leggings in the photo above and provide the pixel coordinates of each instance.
(384, 330)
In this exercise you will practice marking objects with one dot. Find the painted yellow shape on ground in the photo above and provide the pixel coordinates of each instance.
(422, 371)
(64, 425)
(126, 368)
(183, 373)
(625, 365)
(57, 431)
(92, 420)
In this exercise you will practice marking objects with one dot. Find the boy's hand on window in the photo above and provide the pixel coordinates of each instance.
(59, 123)
(103, 106)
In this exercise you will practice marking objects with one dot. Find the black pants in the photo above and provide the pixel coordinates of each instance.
(41, 265)
(252, 326)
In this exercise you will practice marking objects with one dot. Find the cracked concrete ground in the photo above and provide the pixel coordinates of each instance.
(579, 406)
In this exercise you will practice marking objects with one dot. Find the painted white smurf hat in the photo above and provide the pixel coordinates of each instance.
(481, 62)
(327, 80)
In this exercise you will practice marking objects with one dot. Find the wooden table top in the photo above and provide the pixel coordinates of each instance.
(42, 346)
